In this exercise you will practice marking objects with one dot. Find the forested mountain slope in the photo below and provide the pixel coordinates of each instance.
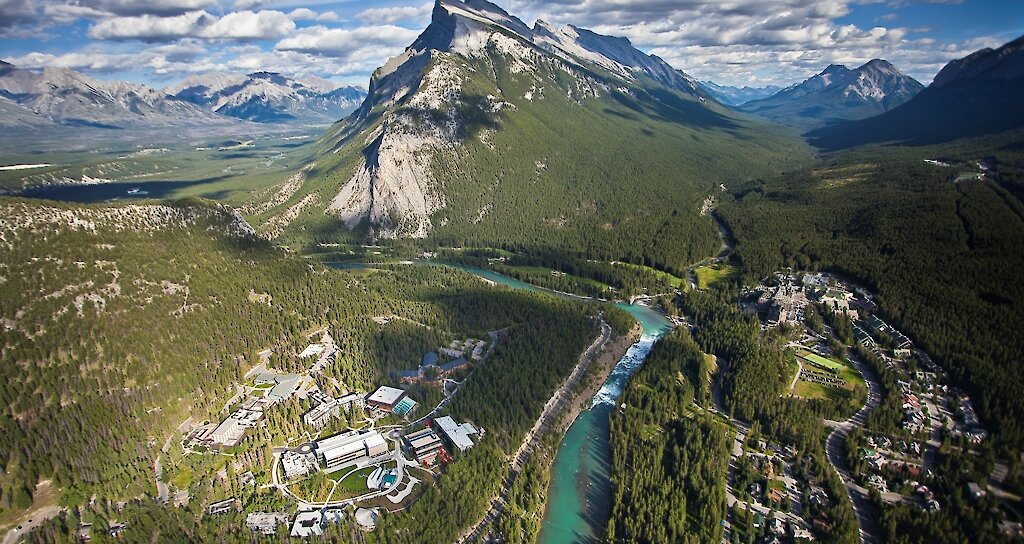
(942, 248)
(489, 132)
(117, 323)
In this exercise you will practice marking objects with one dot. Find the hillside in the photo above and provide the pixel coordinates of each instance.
(838, 93)
(65, 97)
(489, 132)
(973, 96)
(266, 97)
(120, 322)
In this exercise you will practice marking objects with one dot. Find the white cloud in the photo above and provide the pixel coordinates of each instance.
(239, 25)
(385, 40)
(303, 14)
(327, 17)
(419, 13)
(249, 25)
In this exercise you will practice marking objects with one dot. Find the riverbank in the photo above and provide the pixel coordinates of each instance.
(595, 377)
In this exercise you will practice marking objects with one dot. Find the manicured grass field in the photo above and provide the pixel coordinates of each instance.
(709, 276)
(356, 482)
(823, 362)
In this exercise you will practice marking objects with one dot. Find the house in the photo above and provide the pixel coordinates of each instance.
(457, 435)
(247, 479)
(975, 490)
(307, 524)
(349, 400)
(265, 522)
(366, 518)
(287, 384)
(425, 445)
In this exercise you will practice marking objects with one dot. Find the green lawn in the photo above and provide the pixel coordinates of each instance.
(668, 279)
(809, 390)
(355, 483)
(709, 276)
(818, 360)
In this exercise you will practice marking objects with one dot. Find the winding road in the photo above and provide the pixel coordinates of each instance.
(835, 449)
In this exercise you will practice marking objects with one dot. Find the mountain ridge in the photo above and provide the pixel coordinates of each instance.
(838, 93)
(66, 97)
(737, 96)
(976, 95)
(268, 97)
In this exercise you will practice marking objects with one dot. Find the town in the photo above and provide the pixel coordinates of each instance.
(847, 358)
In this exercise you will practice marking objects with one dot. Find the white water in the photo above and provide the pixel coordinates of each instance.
(630, 362)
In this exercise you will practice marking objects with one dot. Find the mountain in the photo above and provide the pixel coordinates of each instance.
(65, 97)
(977, 95)
(737, 96)
(488, 131)
(267, 97)
(837, 94)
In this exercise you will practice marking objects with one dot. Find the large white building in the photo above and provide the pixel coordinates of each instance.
(457, 434)
(229, 433)
(349, 448)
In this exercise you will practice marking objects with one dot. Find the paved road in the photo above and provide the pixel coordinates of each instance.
(37, 519)
(835, 448)
(553, 407)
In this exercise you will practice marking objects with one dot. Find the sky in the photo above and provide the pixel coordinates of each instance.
(732, 42)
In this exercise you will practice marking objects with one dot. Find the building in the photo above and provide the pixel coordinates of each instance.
(350, 448)
(425, 445)
(457, 435)
(286, 385)
(451, 366)
(229, 433)
(385, 398)
(297, 465)
(266, 522)
(221, 507)
(352, 399)
(322, 413)
(307, 524)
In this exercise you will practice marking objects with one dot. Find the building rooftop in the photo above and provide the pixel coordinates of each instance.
(457, 434)
(452, 365)
(307, 524)
(386, 395)
(429, 358)
(286, 385)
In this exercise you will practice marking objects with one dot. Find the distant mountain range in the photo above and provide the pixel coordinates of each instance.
(737, 96)
(838, 94)
(61, 97)
(266, 97)
(58, 96)
(982, 93)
